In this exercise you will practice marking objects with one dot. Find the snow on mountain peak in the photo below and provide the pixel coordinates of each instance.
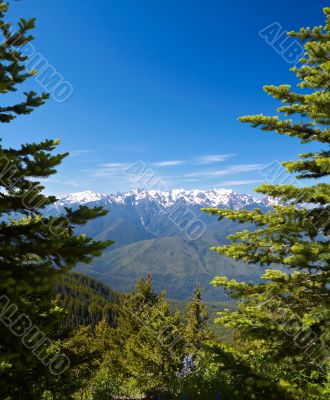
(202, 198)
(81, 197)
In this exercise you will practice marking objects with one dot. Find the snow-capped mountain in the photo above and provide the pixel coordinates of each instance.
(146, 214)
(80, 198)
(153, 233)
(204, 198)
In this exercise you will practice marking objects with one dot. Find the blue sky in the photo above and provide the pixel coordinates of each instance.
(162, 82)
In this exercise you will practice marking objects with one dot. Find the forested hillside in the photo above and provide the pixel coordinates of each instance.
(175, 263)
(85, 300)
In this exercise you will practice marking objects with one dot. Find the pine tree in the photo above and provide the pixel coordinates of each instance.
(146, 347)
(197, 329)
(130, 311)
(85, 352)
(154, 354)
(283, 324)
(133, 305)
(33, 248)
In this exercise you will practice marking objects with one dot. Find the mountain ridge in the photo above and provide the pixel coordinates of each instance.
(209, 198)
(150, 230)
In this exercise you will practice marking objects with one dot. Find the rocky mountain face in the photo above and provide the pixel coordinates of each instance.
(164, 234)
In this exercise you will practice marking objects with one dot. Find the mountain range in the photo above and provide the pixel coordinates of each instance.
(165, 234)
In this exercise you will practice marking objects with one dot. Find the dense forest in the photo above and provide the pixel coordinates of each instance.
(67, 336)
(86, 301)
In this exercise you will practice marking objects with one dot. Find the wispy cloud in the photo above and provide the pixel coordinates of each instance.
(79, 152)
(238, 183)
(104, 173)
(108, 169)
(230, 170)
(214, 158)
(114, 165)
(169, 163)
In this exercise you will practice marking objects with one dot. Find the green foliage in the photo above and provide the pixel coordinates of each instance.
(149, 341)
(197, 330)
(13, 71)
(143, 353)
(107, 384)
(282, 326)
(34, 249)
(85, 300)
